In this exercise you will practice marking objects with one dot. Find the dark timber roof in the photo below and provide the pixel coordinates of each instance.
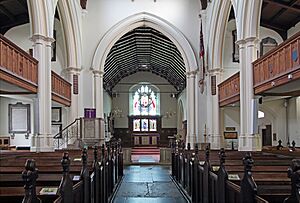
(12, 13)
(144, 49)
(280, 15)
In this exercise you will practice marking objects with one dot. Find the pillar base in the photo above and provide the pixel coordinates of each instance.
(215, 141)
(42, 143)
(250, 143)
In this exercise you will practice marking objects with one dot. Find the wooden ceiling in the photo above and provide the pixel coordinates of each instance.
(144, 49)
(280, 15)
(12, 13)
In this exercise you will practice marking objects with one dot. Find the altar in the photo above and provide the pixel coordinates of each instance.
(145, 130)
(145, 139)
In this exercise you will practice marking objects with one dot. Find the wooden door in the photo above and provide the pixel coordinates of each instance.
(267, 136)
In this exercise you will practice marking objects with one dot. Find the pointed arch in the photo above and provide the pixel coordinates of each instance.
(221, 11)
(72, 34)
(144, 19)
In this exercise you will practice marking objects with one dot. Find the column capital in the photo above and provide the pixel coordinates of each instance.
(41, 39)
(215, 71)
(74, 70)
(191, 73)
(98, 73)
(241, 42)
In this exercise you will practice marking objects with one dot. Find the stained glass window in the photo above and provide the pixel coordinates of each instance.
(144, 124)
(144, 101)
(152, 123)
(136, 125)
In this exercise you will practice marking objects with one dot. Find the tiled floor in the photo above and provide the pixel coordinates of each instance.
(148, 184)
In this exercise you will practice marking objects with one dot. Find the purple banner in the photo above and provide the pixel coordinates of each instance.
(89, 113)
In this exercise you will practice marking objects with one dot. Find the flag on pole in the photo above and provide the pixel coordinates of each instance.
(201, 57)
(201, 52)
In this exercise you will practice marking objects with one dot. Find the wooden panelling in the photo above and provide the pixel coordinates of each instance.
(61, 89)
(273, 69)
(229, 90)
(17, 67)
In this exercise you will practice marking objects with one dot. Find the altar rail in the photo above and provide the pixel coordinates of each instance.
(279, 66)
(61, 89)
(17, 66)
(229, 90)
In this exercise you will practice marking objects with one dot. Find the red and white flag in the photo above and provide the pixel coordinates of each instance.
(201, 52)
(202, 64)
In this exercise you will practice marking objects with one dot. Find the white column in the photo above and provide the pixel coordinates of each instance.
(75, 98)
(197, 108)
(213, 130)
(249, 140)
(191, 135)
(98, 84)
(98, 101)
(43, 140)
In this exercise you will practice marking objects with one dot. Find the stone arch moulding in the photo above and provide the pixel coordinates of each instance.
(218, 22)
(138, 20)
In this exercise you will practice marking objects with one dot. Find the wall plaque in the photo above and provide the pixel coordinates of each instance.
(19, 118)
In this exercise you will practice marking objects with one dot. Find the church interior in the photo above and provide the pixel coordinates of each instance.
(150, 101)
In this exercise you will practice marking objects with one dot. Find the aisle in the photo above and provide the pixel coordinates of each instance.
(148, 184)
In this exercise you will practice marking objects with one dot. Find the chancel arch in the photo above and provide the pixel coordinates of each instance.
(172, 34)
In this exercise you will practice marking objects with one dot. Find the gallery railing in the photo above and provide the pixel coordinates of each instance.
(61, 89)
(229, 90)
(17, 66)
(279, 66)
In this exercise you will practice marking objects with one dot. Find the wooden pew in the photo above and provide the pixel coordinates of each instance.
(111, 160)
(269, 173)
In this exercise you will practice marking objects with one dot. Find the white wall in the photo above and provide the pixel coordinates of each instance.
(275, 114)
(231, 119)
(166, 102)
(294, 30)
(294, 120)
(107, 103)
(182, 97)
(229, 66)
(60, 64)
(20, 36)
(19, 139)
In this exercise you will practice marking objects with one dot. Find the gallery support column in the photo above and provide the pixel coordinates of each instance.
(249, 140)
(76, 108)
(98, 88)
(213, 112)
(191, 135)
(43, 140)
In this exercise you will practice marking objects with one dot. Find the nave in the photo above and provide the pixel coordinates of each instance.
(148, 183)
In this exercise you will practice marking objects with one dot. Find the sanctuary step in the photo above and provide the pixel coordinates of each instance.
(145, 155)
(145, 151)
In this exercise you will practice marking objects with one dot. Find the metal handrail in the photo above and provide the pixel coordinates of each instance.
(57, 136)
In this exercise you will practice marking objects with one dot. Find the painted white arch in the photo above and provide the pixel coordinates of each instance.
(138, 20)
(221, 11)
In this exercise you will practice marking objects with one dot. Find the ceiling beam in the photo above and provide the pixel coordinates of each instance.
(282, 10)
(290, 7)
(7, 13)
(23, 4)
(280, 30)
(295, 93)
